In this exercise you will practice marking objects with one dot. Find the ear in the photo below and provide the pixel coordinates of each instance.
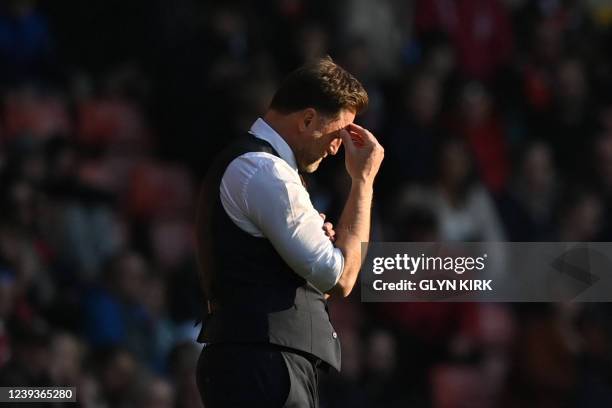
(309, 116)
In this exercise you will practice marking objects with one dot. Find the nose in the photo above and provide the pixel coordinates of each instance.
(334, 146)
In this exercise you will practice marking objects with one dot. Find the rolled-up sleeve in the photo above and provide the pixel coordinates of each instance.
(276, 203)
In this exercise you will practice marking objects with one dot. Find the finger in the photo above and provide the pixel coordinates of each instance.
(355, 135)
(357, 140)
(363, 132)
(348, 141)
(322, 216)
(330, 234)
(328, 225)
(355, 127)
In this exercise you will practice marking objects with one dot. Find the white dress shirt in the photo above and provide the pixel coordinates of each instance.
(264, 196)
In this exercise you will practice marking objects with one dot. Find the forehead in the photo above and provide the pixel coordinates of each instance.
(343, 120)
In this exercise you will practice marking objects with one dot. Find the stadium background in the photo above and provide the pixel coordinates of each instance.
(496, 116)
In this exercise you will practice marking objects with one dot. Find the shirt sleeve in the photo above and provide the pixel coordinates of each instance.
(275, 201)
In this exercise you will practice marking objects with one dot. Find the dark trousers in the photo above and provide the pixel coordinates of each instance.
(256, 375)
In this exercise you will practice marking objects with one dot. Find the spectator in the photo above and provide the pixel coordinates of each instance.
(416, 131)
(481, 128)
(528, 207)
(480, 31)
(115, 314)
(118, 374)
(464, 208)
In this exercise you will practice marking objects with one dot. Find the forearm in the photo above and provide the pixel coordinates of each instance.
(353, 229)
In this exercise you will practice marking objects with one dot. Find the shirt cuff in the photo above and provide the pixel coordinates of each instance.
(325, 275)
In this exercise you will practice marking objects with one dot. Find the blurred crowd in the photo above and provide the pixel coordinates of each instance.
(496, 117)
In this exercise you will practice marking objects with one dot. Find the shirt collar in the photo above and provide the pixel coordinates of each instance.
(265, 132)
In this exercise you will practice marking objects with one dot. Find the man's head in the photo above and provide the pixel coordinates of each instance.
(310, 108)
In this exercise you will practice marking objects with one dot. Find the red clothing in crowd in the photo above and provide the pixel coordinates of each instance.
(479, 30)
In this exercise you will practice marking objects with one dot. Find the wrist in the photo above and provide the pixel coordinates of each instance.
(362, 184)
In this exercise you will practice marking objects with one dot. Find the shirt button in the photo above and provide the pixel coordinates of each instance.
(335, 335)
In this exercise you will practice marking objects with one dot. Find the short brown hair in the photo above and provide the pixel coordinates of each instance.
(322, 85)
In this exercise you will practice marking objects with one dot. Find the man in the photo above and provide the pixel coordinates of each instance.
(268, 260)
